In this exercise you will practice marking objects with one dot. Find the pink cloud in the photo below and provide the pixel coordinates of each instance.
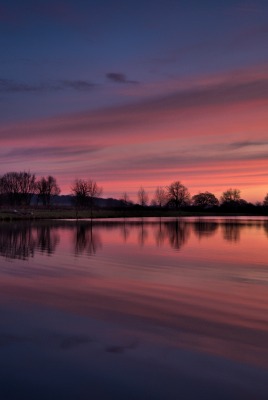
(211, 134)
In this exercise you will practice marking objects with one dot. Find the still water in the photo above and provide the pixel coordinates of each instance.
(134, 309)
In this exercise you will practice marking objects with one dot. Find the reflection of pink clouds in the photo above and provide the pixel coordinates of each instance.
(186, 299)
(234, 326)
(213, 133)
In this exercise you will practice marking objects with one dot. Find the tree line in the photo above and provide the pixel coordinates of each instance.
(18, 189)
(177, 196)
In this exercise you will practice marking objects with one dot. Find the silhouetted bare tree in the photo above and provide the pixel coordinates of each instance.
(2, 191)
(143, 197)
(178, 195)
(46, 188)
(18, 187)
(94, 191)
(10, 187)
(230, 195)
(125, 199)
(265, 201)
(85, 192)
(80, 192)
(125, 202)
(160, 197)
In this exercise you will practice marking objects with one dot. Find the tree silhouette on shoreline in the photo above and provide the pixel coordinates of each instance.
(178, 195)
(85, 192)
(46, 188)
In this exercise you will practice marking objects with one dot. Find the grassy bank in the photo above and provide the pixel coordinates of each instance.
(43, 214)
(81, 214)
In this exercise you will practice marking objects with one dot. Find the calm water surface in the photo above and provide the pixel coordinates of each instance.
(134, 309)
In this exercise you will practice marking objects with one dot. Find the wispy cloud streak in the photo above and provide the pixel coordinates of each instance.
(11, 86)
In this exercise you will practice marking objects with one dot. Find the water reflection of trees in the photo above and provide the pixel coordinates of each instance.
(205, 228)
(142, 233)
(47, 239)
(87, 240)
(17, 241)
(160, 233)
(176, 233)
(231, 231)
(20, 240)
(125, 231)
(265, 227)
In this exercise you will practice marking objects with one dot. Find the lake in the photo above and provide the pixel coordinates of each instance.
(134, 309)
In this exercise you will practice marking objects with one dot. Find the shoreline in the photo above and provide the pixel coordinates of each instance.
(72, 214)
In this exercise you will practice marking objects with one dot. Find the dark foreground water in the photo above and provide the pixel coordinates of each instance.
(141, 309)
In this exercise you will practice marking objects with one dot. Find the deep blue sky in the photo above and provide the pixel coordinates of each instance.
(55, 55)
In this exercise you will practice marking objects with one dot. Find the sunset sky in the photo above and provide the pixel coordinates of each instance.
(132, 93)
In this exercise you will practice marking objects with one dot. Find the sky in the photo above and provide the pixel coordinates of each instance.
(136, 93)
